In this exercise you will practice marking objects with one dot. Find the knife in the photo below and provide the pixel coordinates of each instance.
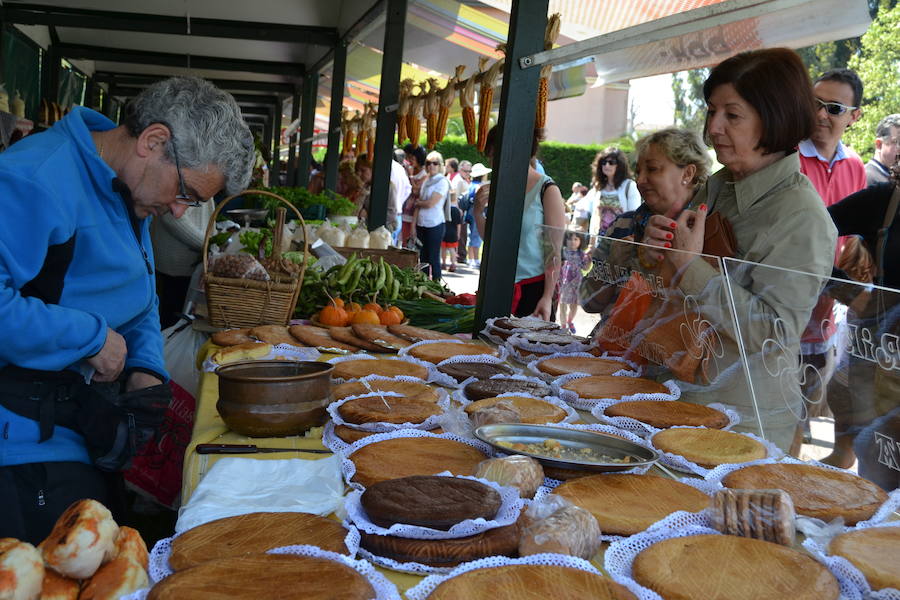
(249, 449)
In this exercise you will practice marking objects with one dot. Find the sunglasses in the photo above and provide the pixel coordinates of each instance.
(433, 162)
(835, 108)
(609, 161)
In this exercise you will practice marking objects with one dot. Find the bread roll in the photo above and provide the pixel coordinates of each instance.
(83, 538)
(273, 334)
(249, 351)
(570, 530)
(130, 544)
(57, 587)
(21, 570)
(231, 337)
(521, 472)
(118, 577)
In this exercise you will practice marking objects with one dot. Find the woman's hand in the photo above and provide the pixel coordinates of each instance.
(543, 308)
(690, 230)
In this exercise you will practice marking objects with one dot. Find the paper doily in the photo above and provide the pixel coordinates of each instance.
(406, 351)
(279, 352)
(524, 350)
(460, 394)
(508, 513)
(590, 403)
(408, 359)
(381, 427)
(641, 428)
(489, 328)
(629, 369)
(676, 461)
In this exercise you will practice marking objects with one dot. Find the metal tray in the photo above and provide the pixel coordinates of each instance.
(607, 444)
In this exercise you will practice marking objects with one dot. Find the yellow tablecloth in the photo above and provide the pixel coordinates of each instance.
(210, 429)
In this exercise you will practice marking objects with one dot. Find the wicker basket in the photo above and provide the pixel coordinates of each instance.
(235, 302)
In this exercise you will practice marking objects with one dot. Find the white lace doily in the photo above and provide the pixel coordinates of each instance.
(676, 461)
(706, 487)
(451, 382)
(508, 513)
(619, 557)
(424, 588)
(524, 350)
(413, 568)
(718, 474)
(460, 394)
(643, 429)
(279, 352)
(590, 403)
(488, 330)
(158, 567)
(629, 369)
(409, 359)
(331, 441)
(502, 354)
(384, 589)
(842, 568)
(349, 469)
(381, 427)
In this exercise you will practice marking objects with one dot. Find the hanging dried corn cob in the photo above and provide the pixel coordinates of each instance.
(432, 106)
(550, 35)
(446, 97)
(467, 103)
(403, 109)
(485, 99)
(414, 118)
(359, 132)
(346, 130)
(370, 130)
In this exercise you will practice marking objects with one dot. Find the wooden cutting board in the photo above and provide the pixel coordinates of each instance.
(625, 504)
(252, 534)
(530, 582)
(402, 457)
(265, 577)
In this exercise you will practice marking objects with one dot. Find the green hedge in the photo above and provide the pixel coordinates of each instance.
(565, 163)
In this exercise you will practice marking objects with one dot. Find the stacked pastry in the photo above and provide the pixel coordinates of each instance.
(87, 556)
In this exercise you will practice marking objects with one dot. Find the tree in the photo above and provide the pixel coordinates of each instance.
(878, 65)
(690, 106)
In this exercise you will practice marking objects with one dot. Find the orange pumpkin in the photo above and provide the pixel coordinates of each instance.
(353, 307)
(389, 317)
(337, 302)
(333, 316)
(395, 309)
(366, 316)
(373, 307)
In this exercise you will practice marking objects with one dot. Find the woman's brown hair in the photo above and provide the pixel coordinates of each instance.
(775, 83)
(622, 170)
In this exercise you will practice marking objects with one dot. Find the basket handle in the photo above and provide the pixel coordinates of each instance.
(211, 226)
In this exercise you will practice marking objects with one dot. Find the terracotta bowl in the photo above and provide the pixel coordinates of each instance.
(273, 398)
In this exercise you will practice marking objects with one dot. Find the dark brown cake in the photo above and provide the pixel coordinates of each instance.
(489, 388)
(552, 337)
(462, 371)
(429, 501)
(509, 323)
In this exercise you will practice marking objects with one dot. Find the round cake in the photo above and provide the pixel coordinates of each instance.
(462, 371)
(254, 533)
(439, 351)
(357, 369)
(625, 504)
(874, 552)
(265, 577)
(429, 501)
(816, 492)
(607, 387)
(387, 409)
(402, 457)
(669, 413)
(531, 410)
(524, 323)
(562, 365)
(709, 447)
(409, 389)
(517, 582)
(728, 567)
(489, 388)
(350, 435)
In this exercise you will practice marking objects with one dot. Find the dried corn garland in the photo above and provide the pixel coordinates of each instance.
(446, 97)
(372, 109)
(467, 103)
(346, 130)
(414, 118)
(485, 99)
(550, 35)
(432, 104)
(403, 109)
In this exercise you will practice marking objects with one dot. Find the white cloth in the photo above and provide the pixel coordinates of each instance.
(459, 187)
(177, 242)
(434, 216)
(400, 186)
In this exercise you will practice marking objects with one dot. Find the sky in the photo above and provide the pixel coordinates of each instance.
(652, 101)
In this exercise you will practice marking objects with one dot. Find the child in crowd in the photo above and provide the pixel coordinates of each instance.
(575, 260)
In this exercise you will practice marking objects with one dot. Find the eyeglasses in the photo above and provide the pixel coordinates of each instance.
(466, 170)
(182, 197)
(436, 163)
(835, 108)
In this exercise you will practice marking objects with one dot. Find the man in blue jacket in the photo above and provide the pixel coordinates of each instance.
(82, 380)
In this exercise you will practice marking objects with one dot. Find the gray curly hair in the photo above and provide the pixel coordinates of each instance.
(206, 123)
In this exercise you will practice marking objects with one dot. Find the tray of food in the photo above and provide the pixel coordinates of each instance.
(567, 448)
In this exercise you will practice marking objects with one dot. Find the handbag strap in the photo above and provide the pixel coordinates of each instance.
(889, 217)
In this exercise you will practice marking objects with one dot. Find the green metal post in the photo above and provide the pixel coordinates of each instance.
(338, 80)
(307, 123)
(292, 143)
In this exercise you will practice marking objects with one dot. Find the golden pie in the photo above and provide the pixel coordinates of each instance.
(318, 337)
(665, 414)
(350, 435)
(625, 504)
(231, 337)
(379, 334)
(387, 409)
(709, 447)
(562, 365)
(409, 389)
(531, 410)
(357, 369)
(273, 334)
(817, 492)
(265, 577)
(728, 567)
(603, 387)
(874, 552)
(254, 533)
(418, 334)
(519, 582)
(402, 457)
(347, 336)
(435, 353)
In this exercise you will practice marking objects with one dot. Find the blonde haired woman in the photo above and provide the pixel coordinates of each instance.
(432, 208)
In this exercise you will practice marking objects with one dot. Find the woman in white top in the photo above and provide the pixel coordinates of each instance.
(613, 191)
(435, 194)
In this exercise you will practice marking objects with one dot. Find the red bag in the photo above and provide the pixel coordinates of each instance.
(618, 329)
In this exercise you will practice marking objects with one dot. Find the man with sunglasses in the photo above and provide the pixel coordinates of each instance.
(82, 377)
